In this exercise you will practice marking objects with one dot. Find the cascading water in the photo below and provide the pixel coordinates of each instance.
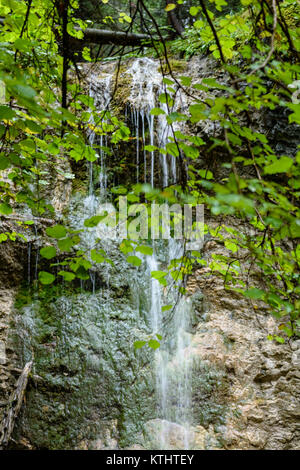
(146, 88)
(172, 365)
(100, 91)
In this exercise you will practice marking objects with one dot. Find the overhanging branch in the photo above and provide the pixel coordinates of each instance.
(104, 36)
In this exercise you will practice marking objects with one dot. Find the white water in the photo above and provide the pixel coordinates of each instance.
(172, 365)
(146, 87)
(100, 91)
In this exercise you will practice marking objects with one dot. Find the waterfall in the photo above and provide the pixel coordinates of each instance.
(146, 87)
(100, 91)
(172, 365)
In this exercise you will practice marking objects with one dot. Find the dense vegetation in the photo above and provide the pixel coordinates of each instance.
(256, 48)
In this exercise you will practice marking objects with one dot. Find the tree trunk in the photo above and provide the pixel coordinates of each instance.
(14, 406)
(103, 36)
(173, 20)
(115, 37)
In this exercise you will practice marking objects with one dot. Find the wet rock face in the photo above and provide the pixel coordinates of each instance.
(90, 390)
(7, 355)
(12, 263)
(262, 377)
(283, 136)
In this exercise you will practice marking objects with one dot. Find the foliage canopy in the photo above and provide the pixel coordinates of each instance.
(256, 46)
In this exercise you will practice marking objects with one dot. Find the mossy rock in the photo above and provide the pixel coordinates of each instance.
(122, 92)
(177, 65)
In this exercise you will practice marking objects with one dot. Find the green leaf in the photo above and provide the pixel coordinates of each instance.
(280, 166)
(139, 344)
(207, 174)
(4, 162)
(90, 154)
(134, 260)
(197, 112)
(46, 278)
(175, 117)
(33, 126)
(58, 231)
(254, 293)
(126, 247)
(94, 221)
(67, 275)
(6, 112)
(172, 149)
(97, 257)
(65, 244)
(231, 245)
(76, 155)
(22, 44)
(166, 98)
(295, 228)
(24, 91)
(81, 273)
(28, 145)
(166, 308)
(119, 190)
(189, 150)
(150, 148)
(170, 6)
(5, 209)
(186, 81)
(279, 339)
(167, 81)
(157, 111)
(153, 344)
(194, 11)
(198, 24)
(158, 274)
(145, 250)
(48, 252)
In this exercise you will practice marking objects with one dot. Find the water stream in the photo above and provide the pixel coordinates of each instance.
(172, 365)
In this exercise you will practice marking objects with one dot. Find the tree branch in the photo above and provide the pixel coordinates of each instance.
(105, 36)
(14, 406)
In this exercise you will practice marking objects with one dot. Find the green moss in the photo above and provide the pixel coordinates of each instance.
(80, 182)
(44, 294)
(291, 14)
(79, 186)
(23, 298)
(122, 92)
(177, 65)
